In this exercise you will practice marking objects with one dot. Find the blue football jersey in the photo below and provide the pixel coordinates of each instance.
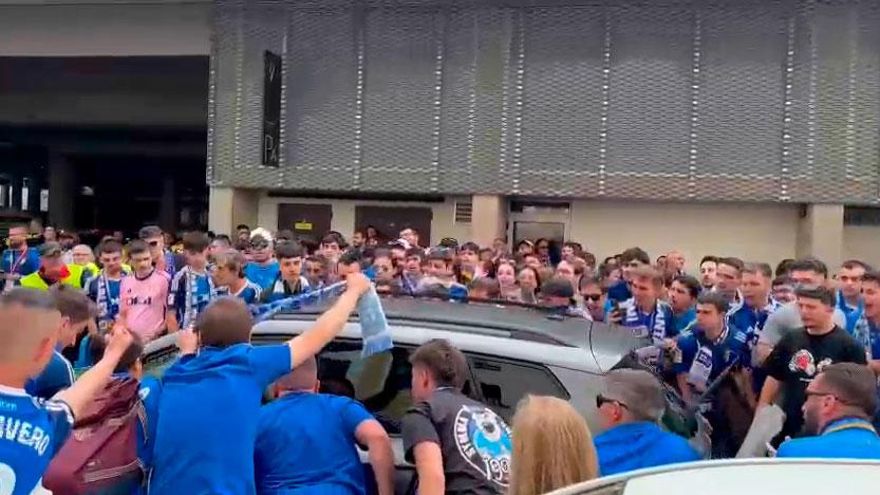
(32, 431)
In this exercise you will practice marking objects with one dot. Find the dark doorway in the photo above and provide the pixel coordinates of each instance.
(309, 222)
(389, 221)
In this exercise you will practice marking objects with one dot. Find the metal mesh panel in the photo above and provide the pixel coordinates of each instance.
(651, 68)
(563, 100)
(741, 101)
(322, 82)
(723, 100)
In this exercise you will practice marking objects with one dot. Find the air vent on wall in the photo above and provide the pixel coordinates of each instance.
(463, 211)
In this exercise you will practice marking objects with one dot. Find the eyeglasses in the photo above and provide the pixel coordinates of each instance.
(602, 400)
(816, 393)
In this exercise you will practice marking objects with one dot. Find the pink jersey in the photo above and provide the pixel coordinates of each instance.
(143, 304)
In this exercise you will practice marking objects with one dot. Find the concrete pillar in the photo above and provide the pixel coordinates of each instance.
(168, 212)
(61, 191)
(820, 233)
(488, 218)
(231, 206)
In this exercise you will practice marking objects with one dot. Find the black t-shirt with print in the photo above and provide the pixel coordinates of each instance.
(474, 440)
(798, 358)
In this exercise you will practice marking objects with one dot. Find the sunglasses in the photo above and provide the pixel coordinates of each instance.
(602, 400)
(592, 297)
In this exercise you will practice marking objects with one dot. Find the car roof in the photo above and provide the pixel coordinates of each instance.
(496, 329)
(738, 476)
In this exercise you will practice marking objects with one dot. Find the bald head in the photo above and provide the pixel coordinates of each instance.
(302, 379)
(225, 322)
(28, 317)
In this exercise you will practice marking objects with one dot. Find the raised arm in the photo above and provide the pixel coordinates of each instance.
(308, 343)
(81, 393)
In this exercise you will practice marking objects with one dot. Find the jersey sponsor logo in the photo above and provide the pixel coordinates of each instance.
(483, 439)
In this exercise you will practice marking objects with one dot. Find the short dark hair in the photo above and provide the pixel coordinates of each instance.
(853, 264)
(195, 241)
(287, 250)
(469, 246)
(734, 262)
(781, 280)
(284, 235)
(109, 247)
(132, 354)
(223, 238)
(783, 267)
(709, 258)
(715, 299)
(758, 269)
(73, 303)
(635, 254)
(442, 254)
(138, 246)
(808, 265)
(490, 285)
(382, 253)
(692, 285)
(242, 226)
(225, 322)
(149, 232)
(822, 294)
(350, 257)
(446, 364)
(854, 385)
(415, 252)
(588, 280)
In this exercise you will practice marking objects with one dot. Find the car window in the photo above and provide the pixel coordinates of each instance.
(381, 382)
(502, 383)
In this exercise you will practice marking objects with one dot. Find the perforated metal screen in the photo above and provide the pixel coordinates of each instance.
(725, 100)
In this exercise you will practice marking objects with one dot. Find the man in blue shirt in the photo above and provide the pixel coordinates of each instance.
(35, 429)
(19, 260)
(306, 441)
(756, 305)
(228, 275)
(263, 268)
(840, 403)
(630, 407)
(849, 293)
(191, 288)
(683, 299)
(645, 314)
(709, 348)
(211, 396)
(104, 289)
(290, 280)
(630, 260)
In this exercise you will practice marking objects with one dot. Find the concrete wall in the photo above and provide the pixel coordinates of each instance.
(862, 242)
(442, 225)
(122, 28)
(749, 231)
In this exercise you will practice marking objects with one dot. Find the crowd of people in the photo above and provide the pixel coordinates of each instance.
(733, 341)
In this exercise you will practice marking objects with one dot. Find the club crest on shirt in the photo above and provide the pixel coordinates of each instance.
(804, 362)
(483, 439)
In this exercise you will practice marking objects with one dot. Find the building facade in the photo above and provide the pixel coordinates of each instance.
(752, 124)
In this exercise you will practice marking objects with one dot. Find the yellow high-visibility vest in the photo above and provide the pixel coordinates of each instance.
(35, 281)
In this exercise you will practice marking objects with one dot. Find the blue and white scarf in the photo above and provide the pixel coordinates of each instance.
(652, 325)
(108, 306)
(193, 302)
